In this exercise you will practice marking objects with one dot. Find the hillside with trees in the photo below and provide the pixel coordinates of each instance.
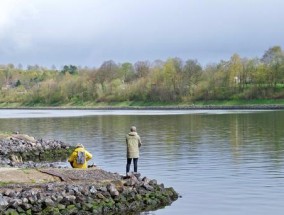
(172, 81)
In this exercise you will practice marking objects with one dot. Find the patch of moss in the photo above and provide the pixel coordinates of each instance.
(5, 183)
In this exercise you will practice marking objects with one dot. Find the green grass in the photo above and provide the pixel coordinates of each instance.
(5, 183)
(5, 134)
(150, 104)
(243, 102)
(8, 104)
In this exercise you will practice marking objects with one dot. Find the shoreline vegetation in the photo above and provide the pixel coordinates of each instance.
(175, 82)
(32, 183)
(210, 105)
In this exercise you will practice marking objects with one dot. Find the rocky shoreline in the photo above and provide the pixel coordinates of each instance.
(70, 191)
(21, 150)
(119, 196)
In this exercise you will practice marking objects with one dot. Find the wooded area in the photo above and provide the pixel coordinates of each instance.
(173, 80)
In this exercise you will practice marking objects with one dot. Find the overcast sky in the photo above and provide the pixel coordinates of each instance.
(89, 32)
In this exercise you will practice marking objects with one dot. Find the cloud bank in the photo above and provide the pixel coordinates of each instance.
(89, 32)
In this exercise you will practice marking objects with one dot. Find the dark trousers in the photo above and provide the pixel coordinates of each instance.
(135, 161)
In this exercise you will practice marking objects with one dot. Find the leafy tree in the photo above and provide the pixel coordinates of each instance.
(167, 82)
(18, 83)
(10, 66)
(212, 84)
(249, 69)
(127, 72)
(273, 54)
(107, 72)
(33, 67)
(142, 68)
(71, 69)
(235, 70)
(192, 72)
(273, 59)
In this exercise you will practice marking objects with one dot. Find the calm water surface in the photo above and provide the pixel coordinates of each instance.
(221, 162)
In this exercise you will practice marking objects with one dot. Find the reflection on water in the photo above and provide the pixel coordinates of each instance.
(220, 162)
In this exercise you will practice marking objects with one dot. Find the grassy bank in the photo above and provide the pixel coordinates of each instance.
(243, 102)
(220, 103)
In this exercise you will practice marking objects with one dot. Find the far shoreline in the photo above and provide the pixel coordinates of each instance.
(175, 107)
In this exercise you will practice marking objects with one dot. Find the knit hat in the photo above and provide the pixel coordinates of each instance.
(79, 145)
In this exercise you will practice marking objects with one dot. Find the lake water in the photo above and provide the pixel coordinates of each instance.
(220, 162)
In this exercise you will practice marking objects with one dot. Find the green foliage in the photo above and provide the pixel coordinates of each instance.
(127, 72)
(170, 82)
(71, 69)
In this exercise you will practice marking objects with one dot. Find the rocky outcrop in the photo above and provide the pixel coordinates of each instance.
(20, 150)
(74, 191)
(119, 196)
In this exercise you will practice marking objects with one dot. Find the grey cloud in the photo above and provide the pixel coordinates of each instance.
(92, 31)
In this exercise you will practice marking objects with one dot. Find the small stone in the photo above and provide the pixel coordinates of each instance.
(75, 189)
(25, 200)
(15, 202)
(49, 187)
(69, 198)
(11, 193)
(153, 182)
(148, 187)
(49, 202)
(93, 190)
(3, 201)
(146, 180)
(114, 193)
(61, 206)
(100, 196)
(137, 174)
(112, 190)
(26, 206)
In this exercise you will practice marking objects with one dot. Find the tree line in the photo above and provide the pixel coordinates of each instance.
(173, 80)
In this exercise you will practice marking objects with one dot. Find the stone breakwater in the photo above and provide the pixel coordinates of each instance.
(117, 195)
(68, 191)
(20, 150)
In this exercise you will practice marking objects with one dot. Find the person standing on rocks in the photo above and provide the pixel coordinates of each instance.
(79, 157)
(133, 143)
